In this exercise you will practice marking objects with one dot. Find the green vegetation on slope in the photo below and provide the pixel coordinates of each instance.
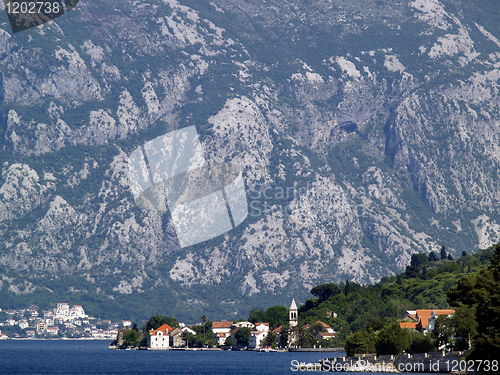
(363, 310)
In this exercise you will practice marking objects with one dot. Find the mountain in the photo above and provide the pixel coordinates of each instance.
(366, 132)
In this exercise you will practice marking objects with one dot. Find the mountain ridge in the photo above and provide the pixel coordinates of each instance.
(381, 118)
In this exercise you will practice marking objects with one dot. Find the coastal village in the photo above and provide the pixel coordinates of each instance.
(61, 322)
(225, 333)
(72, 322)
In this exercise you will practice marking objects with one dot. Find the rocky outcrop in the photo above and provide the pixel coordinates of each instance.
(365, 131)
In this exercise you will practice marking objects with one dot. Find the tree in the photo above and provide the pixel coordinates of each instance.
(443, 253)
(347, 288)
(257, 315)
(362, 342)
(204, 320)
(229, 341)
(419, 259)
(325, 291)
(433, 257)
(242, 336)
(376, 325)
(464, 326)
(392, 339)
(450, 257)
(464, 253)
(193, 340)
(306, 339)
(272, 339)
(316, 328)
(284, 335)
(157, 321)
(482, 292)
(443, 332)
(276, 316)
(420, 343)
(130, 337)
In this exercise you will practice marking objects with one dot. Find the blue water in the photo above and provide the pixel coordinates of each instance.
(32, 357)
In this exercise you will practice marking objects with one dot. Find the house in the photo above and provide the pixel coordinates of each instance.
(3, 336)
(41, 327)
(221, 330)
(23, 324)
(189, 330)
(30, 334)
(220, 338)
(11, 322)
(99, 334)
(126, 323)
(262, 327)
(256, 338)
(423, 320)
(331, 314)
(176, 338)
(221, 327)
(277, 330)
(325, 326)
(410, 315)
(159, 339)
(119, 336)
(258, 335)
(232, 334)
(52, 330)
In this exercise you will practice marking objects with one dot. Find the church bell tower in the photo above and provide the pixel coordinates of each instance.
(293, 318)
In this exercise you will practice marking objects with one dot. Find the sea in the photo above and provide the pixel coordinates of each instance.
(69, 357)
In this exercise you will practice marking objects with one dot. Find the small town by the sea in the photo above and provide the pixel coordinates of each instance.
(438, 316)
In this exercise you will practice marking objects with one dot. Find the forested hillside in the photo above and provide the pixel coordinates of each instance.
(424, 285)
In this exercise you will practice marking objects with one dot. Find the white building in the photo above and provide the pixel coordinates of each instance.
(64, 312)
(188, 330)
(159, 339)
(258, 334)
(220, 338)
(262, 327)
(255, 339)
(221, 327)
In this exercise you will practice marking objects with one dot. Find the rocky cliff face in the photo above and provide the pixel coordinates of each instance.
(366, 132)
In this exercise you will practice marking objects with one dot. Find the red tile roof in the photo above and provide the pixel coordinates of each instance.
(425, 315)
(277, 330)
(222, 324)
(164, 328)
(323, 324)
